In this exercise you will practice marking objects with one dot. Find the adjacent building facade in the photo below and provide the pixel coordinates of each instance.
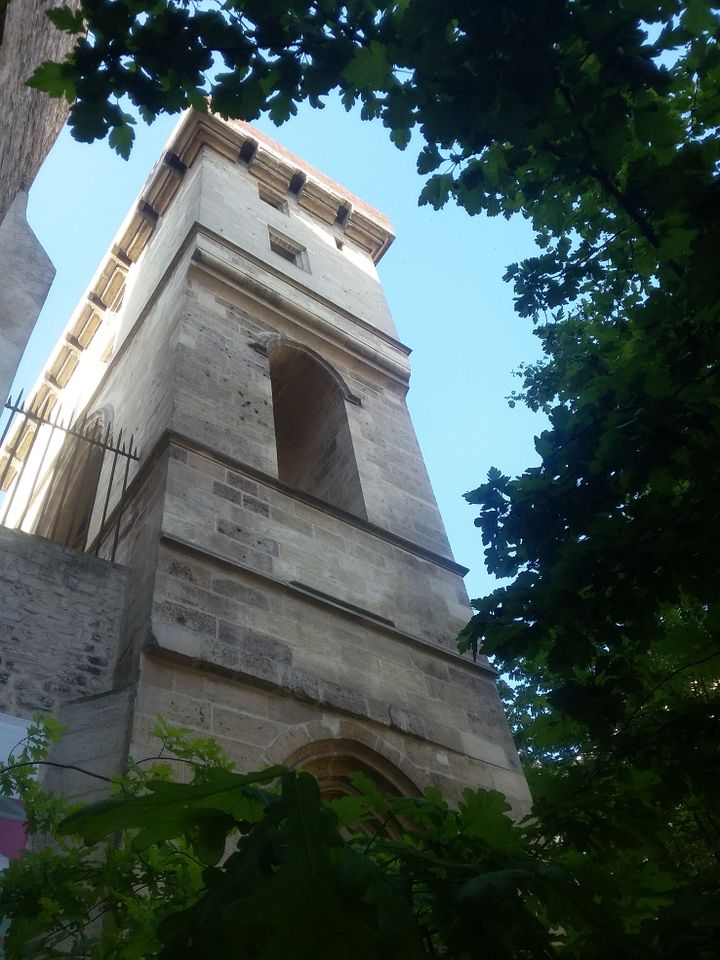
(30, 122)
(280, 576)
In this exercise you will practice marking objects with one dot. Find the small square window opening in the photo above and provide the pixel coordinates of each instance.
(289, 250)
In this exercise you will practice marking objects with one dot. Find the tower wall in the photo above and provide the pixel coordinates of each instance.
(268, 606)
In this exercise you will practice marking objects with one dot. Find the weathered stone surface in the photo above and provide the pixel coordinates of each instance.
(29, 124)
(28, 274)
(29, 121)
(306, 543)
(327, 660)
(96, 739)
(60, 620)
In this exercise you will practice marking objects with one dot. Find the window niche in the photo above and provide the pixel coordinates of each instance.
(289, 250)
(314, 446)
(334, 763)
(70, 499)
(273, 199)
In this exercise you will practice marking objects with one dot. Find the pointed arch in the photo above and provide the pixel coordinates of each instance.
(70, 499)
(275, 341)
(314, 445)
(332, 763)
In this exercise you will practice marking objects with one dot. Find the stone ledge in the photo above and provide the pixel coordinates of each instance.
(305, 688)
(375, 623)
(172, 438)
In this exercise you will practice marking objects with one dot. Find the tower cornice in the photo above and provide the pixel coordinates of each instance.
(272, 164)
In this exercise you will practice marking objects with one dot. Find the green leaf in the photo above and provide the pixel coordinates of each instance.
(55, 79)
(369, 68)
(700, 15)
(400, 137)
(436, 191)
(483, 815)
(429, 159)
(350, 811)
(89, 121)
(70, 21)
(170, 809)
(121, 139)
(210, 840)
(501, 883)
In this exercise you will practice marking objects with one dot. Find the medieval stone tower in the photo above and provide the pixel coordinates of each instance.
(282, 580)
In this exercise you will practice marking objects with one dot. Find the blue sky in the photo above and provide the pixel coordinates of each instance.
(442, 279)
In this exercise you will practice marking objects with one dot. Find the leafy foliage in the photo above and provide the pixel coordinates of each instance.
(609, 628)
(258, 865)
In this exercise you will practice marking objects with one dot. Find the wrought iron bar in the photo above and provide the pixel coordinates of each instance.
(122, 496)
(26, 459)
(9, 406)
(81, 457)
(116, 454)
(12, 451)
(33, 487)
(84, 476)
(66, 465)
(70, 429)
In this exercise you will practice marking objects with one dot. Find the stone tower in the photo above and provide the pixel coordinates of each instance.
(289, 587)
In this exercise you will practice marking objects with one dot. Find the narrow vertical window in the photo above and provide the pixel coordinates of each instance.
(314, 446)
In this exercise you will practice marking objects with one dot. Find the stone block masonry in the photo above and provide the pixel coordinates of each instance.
(224, 400)
(259, 725)
(60, 621)
(95, 741)
(306, 542)
(268, 668)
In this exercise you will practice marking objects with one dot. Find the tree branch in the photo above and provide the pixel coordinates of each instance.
(51, 763)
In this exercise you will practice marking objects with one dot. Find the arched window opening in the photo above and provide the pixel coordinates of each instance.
(70, 499)
(333, 763)
(314, 446)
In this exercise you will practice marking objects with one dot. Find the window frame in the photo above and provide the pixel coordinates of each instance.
(290, 250)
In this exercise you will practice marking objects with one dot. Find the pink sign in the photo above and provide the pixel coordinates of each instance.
(13, 832)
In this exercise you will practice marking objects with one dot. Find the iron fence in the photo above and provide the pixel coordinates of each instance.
(55, 474)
